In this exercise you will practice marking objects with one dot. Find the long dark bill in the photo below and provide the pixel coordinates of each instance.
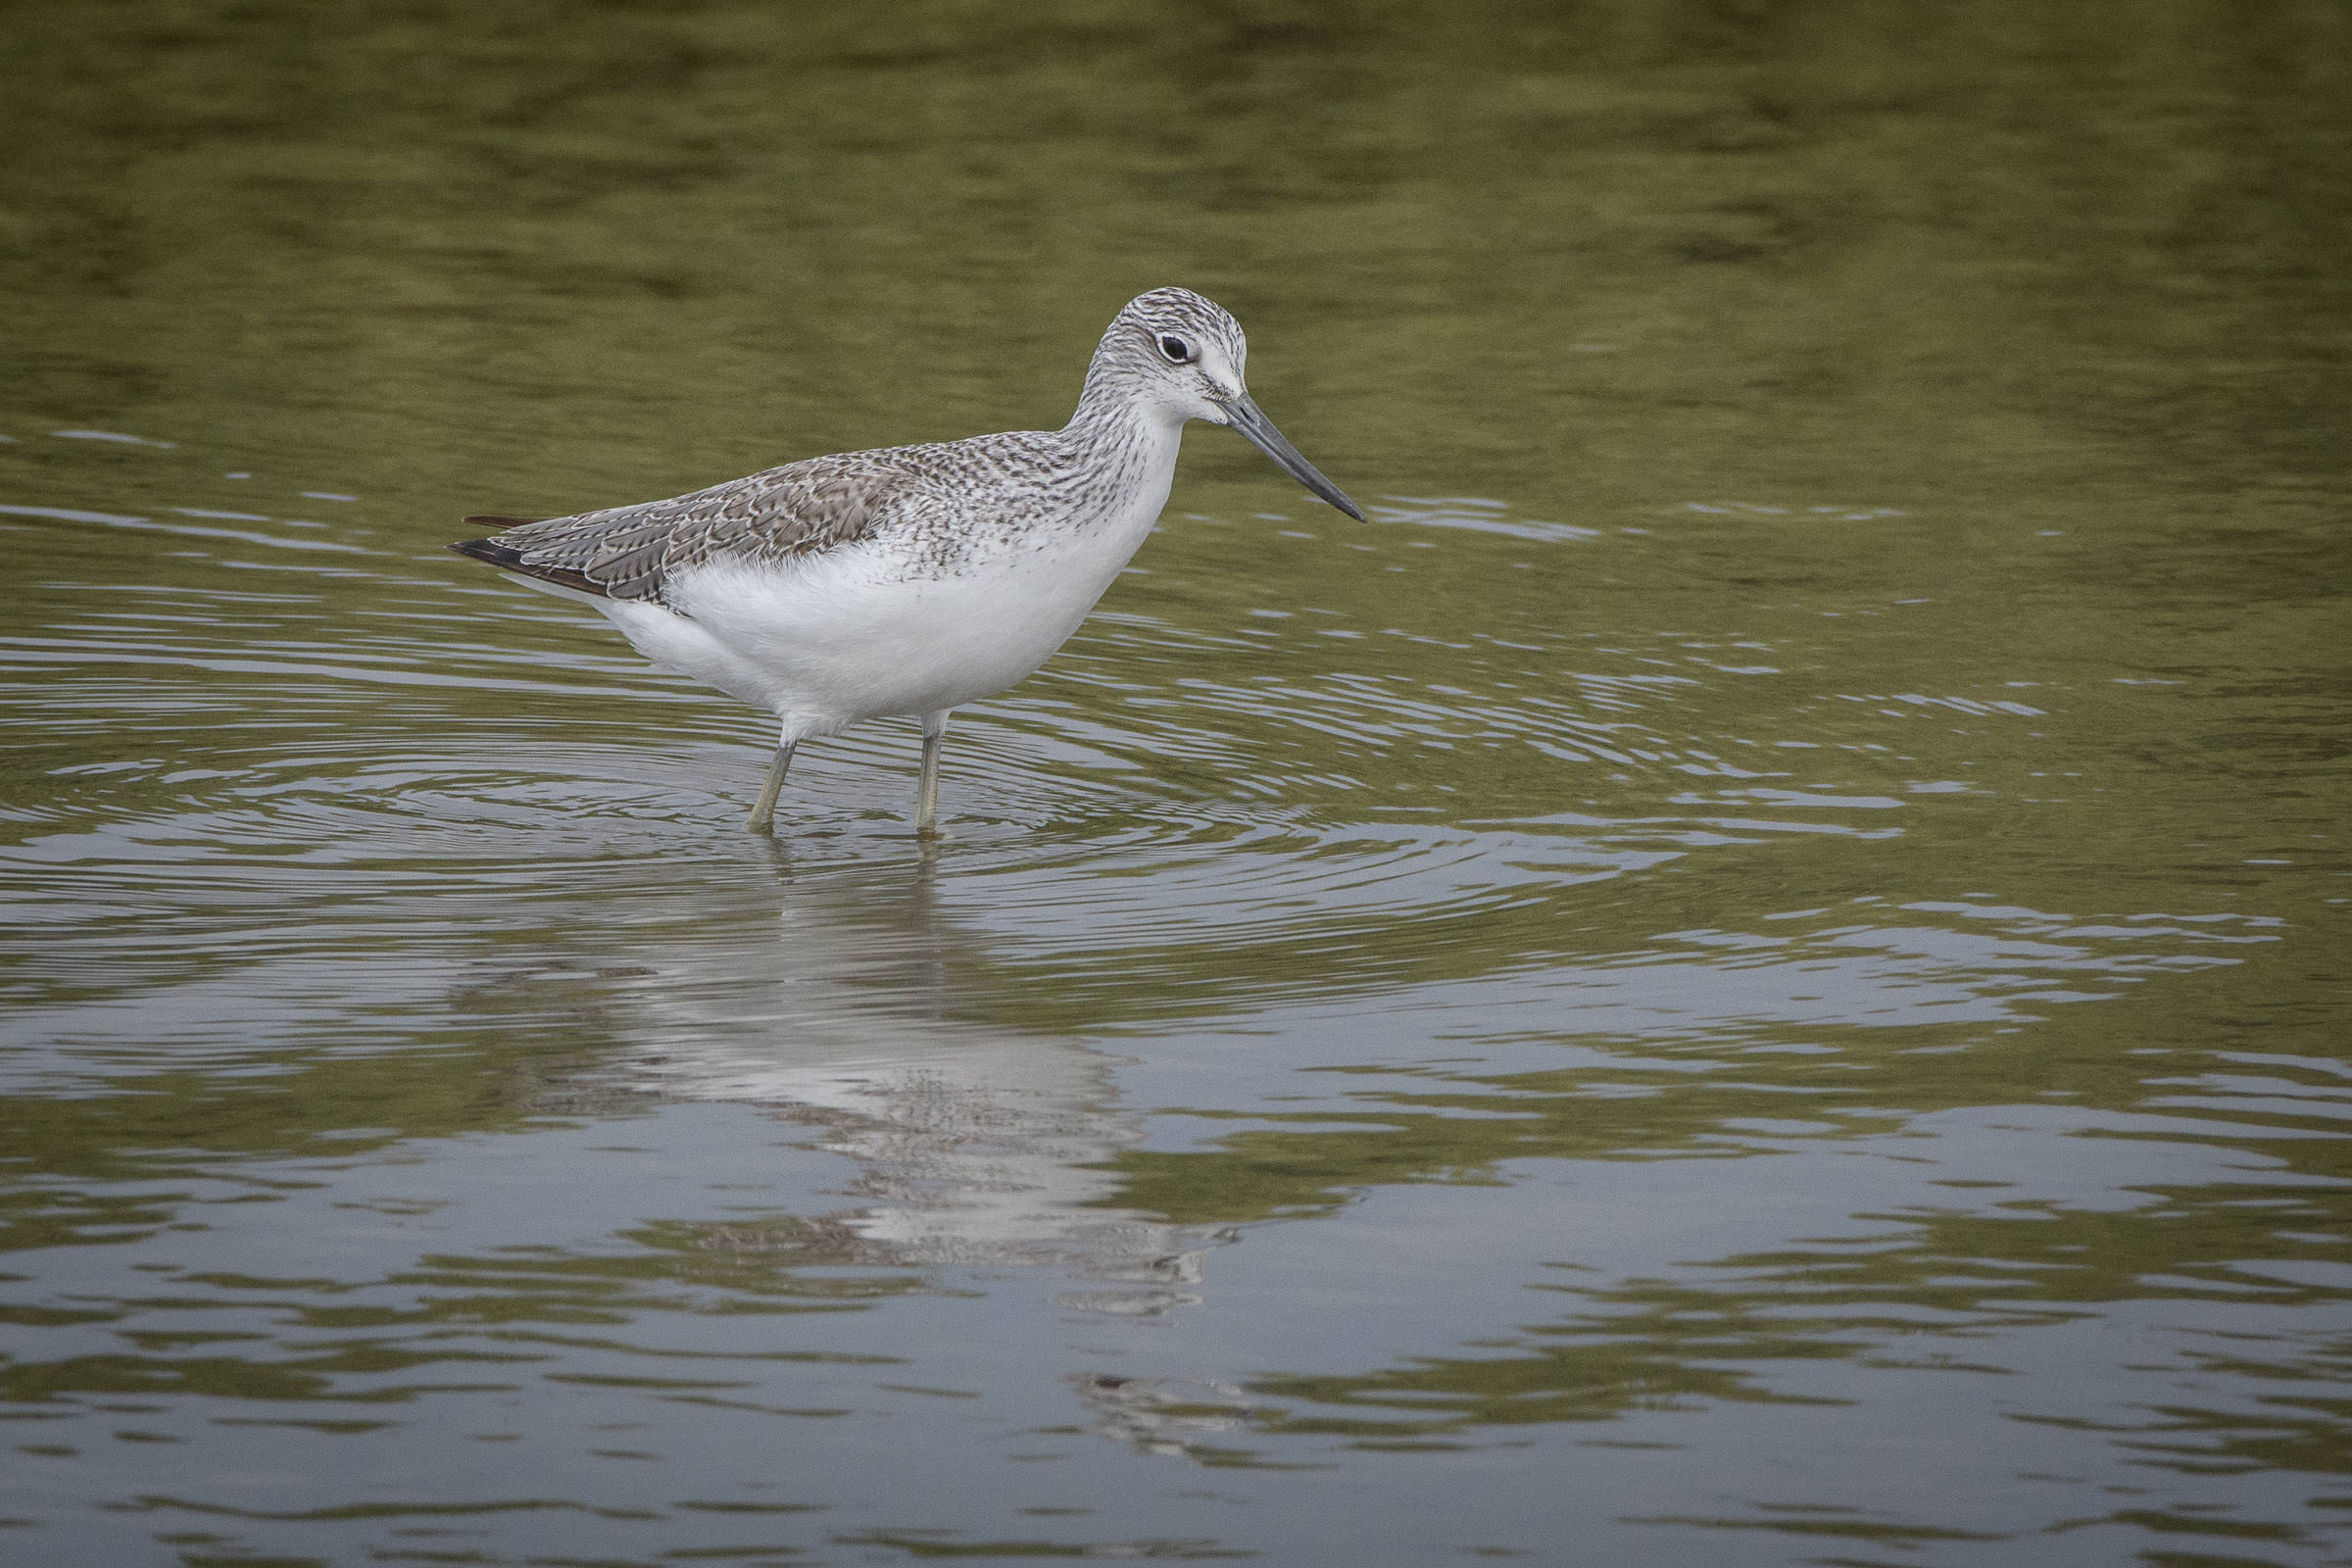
(1244, 416)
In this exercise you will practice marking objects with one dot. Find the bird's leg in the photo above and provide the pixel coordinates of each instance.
(764, 811)
(926, 791)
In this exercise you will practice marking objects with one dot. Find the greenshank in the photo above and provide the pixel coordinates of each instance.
(907, 581)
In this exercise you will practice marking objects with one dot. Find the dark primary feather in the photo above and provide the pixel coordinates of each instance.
(631, 552)
(510, 559)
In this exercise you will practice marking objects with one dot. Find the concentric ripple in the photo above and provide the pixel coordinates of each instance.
(367, 752)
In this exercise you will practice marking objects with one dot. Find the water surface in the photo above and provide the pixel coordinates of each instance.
(1752, 971)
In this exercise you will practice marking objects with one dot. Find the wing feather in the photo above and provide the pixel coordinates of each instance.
(801, 508)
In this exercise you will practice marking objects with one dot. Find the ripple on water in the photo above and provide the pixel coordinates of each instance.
(366, 754)
(1397, 896)
(269, 743)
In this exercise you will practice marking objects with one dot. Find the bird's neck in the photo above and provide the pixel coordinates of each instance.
(1122, 432)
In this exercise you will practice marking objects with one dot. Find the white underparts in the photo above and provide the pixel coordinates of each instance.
(909, 622)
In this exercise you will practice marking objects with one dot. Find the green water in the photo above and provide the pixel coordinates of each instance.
(1752, 971)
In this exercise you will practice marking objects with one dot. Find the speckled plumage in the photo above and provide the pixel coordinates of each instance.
(910, 579)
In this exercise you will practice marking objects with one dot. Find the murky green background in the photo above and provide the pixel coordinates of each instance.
(1752, 972)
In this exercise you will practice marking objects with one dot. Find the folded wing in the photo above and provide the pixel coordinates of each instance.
(802, 509)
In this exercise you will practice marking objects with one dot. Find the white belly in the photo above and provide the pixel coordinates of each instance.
(859, 633)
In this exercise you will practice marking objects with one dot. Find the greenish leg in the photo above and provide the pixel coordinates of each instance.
(926, 790)
(764, 813)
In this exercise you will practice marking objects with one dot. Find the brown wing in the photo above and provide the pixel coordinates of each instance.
(631, 552)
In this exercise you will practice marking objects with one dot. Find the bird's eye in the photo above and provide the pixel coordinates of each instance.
(1175, 350)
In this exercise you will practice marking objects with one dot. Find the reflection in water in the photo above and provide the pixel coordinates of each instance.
(1756, 956)
(385, 1085)
(1162, 1415)
(974, 1144)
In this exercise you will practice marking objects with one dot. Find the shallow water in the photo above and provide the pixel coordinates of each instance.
(1752, 971)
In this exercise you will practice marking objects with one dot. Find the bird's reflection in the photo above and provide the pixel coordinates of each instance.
(1162, 1415)
(974, 1143)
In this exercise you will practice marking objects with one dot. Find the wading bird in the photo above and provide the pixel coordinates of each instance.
(909, 580)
